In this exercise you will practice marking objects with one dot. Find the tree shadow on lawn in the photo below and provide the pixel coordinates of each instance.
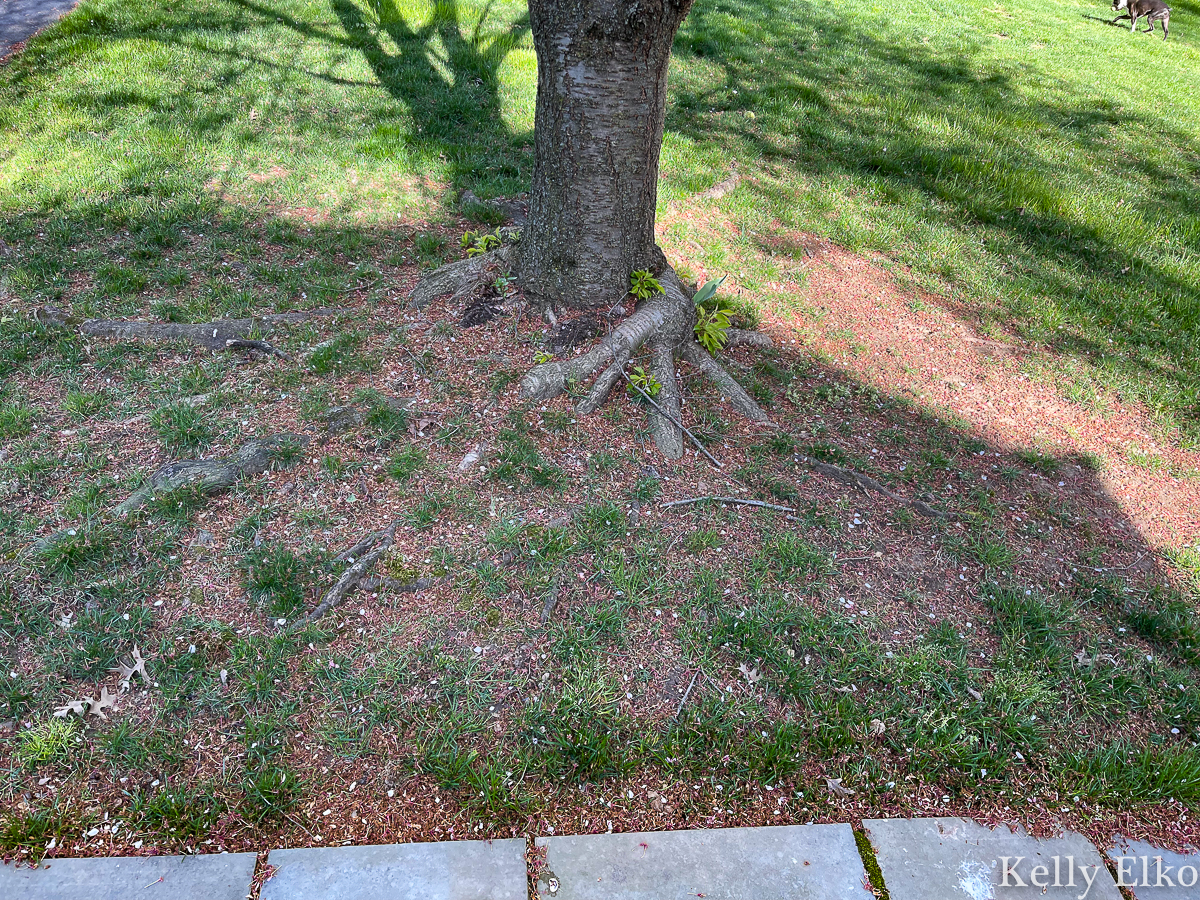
(450, 108)
(1076, 534)
(1035, 194)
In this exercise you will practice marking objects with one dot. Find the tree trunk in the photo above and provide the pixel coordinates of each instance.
(601, 100)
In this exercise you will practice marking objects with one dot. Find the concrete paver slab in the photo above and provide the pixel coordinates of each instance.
(224, 876)
(1152, 873)
(794, 862)
(955, 859)
(453, 870)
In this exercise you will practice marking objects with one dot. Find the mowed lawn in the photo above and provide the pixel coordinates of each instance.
(1030, 165)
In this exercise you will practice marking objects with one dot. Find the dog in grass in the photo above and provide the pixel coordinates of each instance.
(1153, 10)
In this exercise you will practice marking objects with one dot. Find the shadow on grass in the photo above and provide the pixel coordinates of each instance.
(446, 84)
(1042, 186)
(453, 102)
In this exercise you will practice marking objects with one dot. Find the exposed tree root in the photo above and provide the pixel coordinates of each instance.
(221, 334)
(461, 278)
(255, 347)
(865, 484)
(363, 556)
(665, 323)
(203, 476)
(667, 418)
(212, 476)
(724, 382)
(740, 337)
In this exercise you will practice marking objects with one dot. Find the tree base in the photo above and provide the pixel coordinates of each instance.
(663, 323)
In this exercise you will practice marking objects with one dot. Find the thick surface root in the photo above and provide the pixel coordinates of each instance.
(211, 476)
(664, 323)
(654, 317)
(724, 382)
(866, 483)
(204, 476)
(665, 422)
(462, 277)
(362, 556)
(221, 334)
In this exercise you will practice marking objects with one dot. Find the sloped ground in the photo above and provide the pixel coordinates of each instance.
(587, 655)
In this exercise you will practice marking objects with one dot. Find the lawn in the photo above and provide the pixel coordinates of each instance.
(587, 658)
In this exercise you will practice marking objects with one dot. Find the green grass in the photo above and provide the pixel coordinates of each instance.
(278, 579)
(182, 428)
(16, 420)
(49, 741)
(406, 462)
(988, 147)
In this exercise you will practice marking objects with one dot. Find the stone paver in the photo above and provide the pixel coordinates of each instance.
(1175, 877)
(795, 862)
(224, 876)
(955, 859)
(455, 870)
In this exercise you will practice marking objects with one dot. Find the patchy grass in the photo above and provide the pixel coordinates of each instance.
(585, 648)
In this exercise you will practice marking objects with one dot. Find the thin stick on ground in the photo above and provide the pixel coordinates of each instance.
(675, 422)
(686, 694)
(735, 500)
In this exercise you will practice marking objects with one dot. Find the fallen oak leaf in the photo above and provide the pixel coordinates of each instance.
(974, 693)
(72, 706)
(125, 672)
(835, 787)
(104, 701)
(877, 727)
(750, 672)
(416, 427)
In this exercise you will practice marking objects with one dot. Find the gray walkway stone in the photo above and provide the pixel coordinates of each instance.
(224, 876)
(794, 862)
(1152, 873)
(454, 870)
(955, 859)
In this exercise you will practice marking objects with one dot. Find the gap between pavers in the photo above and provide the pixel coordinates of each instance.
(449, 870)
(957, 859)
(787, 862)
(223, 876)
(1152, 873)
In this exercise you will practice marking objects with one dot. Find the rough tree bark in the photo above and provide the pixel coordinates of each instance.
(598, 128)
